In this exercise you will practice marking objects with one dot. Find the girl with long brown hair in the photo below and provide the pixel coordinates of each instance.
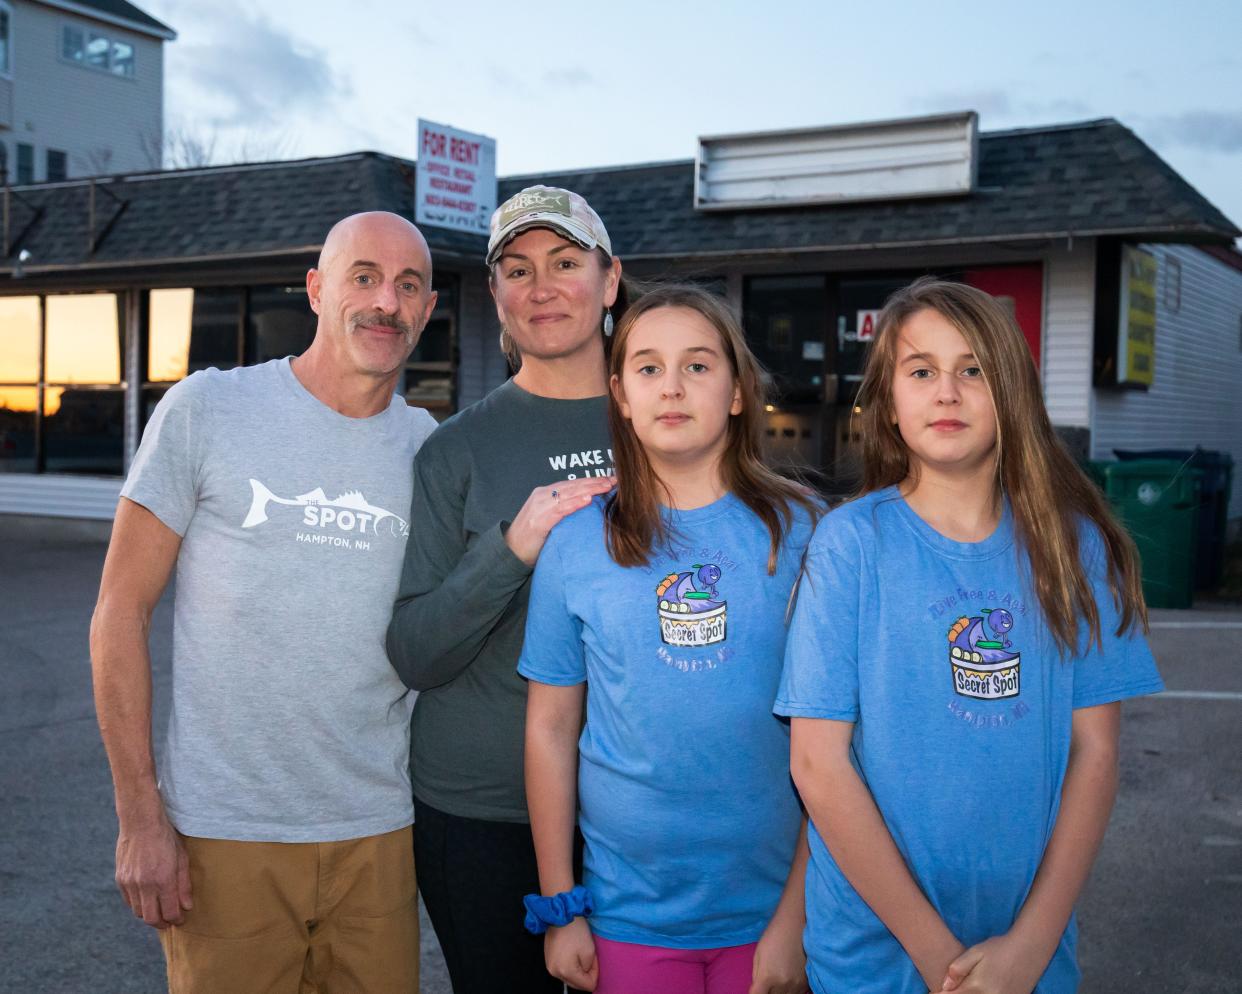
(965, 631)
(668, 600)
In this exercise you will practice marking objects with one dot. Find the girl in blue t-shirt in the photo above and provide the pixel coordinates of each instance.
(669, 601)
(964, 633)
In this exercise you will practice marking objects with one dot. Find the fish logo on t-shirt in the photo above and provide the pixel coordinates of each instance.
(691, 611)
(349, 513)
(986, 664)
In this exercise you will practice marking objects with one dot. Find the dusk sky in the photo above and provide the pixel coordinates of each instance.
(561, 86)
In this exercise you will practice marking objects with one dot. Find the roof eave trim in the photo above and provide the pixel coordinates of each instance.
(54, 269)
(164, 33)
(64, 267)
(1031, 236)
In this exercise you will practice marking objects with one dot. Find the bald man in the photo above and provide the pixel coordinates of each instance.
(271, 845)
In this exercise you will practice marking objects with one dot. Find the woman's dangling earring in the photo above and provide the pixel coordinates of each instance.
(607, 323)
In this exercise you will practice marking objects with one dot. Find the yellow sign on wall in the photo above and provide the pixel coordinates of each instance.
(1136, 345)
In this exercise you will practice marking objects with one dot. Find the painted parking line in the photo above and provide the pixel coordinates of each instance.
(1220, 625)
(1202, 695)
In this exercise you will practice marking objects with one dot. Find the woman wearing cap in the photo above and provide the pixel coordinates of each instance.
(489, 484)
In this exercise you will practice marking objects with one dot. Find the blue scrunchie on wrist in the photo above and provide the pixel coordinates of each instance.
(558, 910)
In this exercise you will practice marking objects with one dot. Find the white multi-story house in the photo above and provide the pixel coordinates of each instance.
(81, 89)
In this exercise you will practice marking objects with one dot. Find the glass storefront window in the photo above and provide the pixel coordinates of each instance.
(431, 369)
(787, 321)
(151, 396)
(19, 339)
(170, 316)
(280, 323)
(191, 329)
(83, 430)
(83, 339)
(17, 429)
(786, 325)
(214, 324)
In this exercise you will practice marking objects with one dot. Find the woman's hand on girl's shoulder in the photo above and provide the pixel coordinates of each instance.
(780, 963)
(569, 953)
(545, 507)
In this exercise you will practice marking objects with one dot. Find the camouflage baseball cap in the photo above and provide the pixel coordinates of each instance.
(547, 207)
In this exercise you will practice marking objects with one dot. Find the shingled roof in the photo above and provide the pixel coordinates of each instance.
(1091, 178)
(212, 214)
(1094, 178)
(118, 12)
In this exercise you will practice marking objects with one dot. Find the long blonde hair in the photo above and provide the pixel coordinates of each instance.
(633, 523)
(1048, 494)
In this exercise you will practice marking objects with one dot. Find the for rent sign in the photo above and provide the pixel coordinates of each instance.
(456, 178)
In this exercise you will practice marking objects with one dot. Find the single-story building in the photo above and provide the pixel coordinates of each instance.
(1123, 277)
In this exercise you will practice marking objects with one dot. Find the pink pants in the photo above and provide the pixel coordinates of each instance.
(628, 968)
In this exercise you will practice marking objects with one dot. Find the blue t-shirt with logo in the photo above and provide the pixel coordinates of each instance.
(962, 705)
(686, 805)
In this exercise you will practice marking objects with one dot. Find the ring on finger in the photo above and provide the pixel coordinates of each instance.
(556, 495)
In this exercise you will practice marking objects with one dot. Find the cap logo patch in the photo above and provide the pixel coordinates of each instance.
(532, 202)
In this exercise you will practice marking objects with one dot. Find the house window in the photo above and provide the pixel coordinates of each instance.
(1172, 284)
(96, 51)
(57, 166)
(6, 39)
(25, 163)
(73, 44)
(122, 58)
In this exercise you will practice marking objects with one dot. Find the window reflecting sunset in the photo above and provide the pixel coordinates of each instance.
(171, 318)
(19, 339)
(83, 339)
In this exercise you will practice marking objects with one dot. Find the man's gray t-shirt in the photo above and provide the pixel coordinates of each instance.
(460, 616)
(288, 724)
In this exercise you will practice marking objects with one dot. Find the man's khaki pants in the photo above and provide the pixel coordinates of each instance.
(296, 918)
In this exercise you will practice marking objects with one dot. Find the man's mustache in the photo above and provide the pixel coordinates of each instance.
(384, 320)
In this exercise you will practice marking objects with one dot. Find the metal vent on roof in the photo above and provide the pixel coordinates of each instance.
(883, 160)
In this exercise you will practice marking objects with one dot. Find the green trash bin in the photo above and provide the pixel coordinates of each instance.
(1158, 502)
(1214, 490)
(1097, 472)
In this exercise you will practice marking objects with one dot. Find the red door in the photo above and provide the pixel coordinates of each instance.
(1020, 288)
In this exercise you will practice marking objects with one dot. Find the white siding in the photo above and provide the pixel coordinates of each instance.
(59, 496)
(1069, 333)
(1196, 398)
(106, 123)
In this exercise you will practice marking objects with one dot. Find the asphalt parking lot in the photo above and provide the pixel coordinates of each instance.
(1162, 912)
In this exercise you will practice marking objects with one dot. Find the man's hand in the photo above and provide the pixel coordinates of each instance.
(570, 955)
(780, 963)
(542, 511)
(153, 872)
(1000, 965)
(151, 866)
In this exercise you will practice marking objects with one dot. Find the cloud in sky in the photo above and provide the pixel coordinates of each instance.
(999, 106)
(575, 76)
(989, 103)
(1203, 130)
(282, 76)
(242, 86)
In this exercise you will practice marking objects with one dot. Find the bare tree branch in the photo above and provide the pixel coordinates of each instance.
(183, 147)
